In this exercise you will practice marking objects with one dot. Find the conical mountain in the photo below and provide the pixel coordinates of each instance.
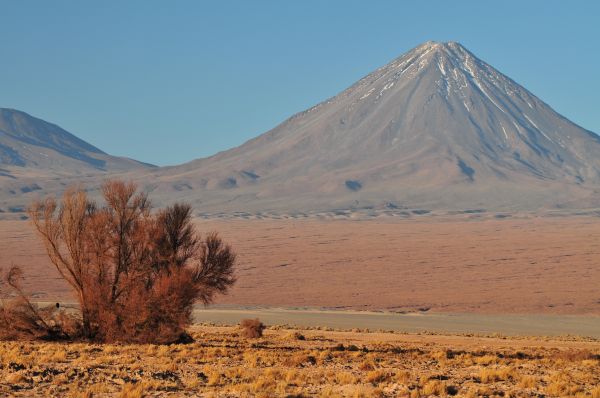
(436, 128)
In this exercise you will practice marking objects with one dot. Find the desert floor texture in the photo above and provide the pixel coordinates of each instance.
(481, 285)
(305, 363)
(531, 265)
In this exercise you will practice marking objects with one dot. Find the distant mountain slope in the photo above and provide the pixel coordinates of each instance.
(28, 143)
(40, 158)
(437, 128)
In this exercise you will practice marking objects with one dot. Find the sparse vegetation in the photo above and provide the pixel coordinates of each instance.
(20, 319)
(252, 328)
(135, 274)
(222, 363)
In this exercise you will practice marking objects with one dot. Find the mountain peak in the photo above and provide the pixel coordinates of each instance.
(435, 127)
(451, 52)
(439, 46)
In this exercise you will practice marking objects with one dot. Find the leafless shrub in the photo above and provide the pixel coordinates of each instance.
(20, 319)
(252, 328)
(295, 336)
(136, 275)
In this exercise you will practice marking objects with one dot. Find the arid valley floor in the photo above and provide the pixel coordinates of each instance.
(536, 275)
(534, 265)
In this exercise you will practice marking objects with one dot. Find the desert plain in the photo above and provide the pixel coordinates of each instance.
(526, 265)
(426, 306)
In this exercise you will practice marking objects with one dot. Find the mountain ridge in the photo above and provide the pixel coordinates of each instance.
(436, 129)
(40, 158)
(29, 142)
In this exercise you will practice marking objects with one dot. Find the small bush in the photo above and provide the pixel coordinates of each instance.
(296, 336)
(366, 365)
(299, 359)
(435, 387)
(491, 375)
(252, 328)
(377, 376)
(22, 320)
(527, 382)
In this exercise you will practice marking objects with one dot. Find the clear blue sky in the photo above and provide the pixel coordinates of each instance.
(169, 81)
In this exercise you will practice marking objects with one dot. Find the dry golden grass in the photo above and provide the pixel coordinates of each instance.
(221, 363)
(491, 375)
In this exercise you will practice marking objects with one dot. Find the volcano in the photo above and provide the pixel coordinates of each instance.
(436, 128)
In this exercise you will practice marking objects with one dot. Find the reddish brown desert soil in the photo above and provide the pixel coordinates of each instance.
(533, 265)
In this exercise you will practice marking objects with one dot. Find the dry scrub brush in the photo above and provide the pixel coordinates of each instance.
(252, 328)
(22, 320)
(136, 274)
